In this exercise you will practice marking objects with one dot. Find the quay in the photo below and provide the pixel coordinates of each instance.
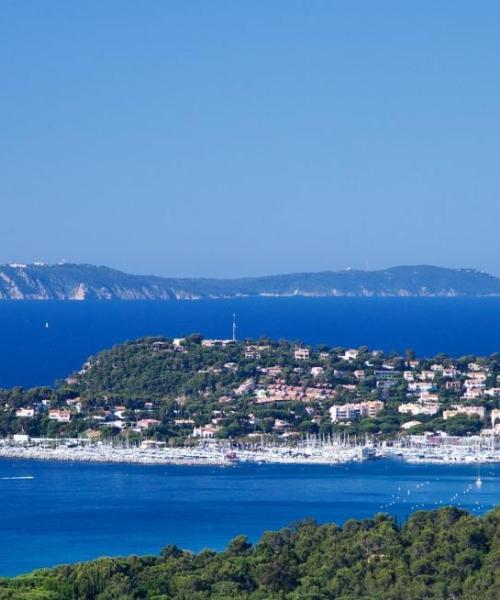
(312, 450)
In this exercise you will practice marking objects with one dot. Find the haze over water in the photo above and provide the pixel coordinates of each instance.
(32, 354)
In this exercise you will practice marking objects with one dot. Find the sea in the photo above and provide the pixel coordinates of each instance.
(44, 341)
(52, 513)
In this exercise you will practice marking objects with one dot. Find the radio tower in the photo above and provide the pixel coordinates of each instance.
(234, 327)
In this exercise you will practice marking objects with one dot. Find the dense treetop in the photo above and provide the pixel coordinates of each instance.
(440, 555)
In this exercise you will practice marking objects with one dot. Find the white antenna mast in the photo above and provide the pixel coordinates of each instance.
(234, 327)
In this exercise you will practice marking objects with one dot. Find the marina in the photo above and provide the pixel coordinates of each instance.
(310, 450)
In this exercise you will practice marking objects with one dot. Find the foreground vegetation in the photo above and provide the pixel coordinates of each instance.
(444, 554)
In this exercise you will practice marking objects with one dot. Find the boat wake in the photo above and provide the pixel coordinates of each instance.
(20, 477)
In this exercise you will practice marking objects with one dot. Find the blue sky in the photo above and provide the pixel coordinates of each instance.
(229, 138)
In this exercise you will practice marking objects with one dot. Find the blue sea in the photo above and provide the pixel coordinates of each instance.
(33, 354)
(71, 512)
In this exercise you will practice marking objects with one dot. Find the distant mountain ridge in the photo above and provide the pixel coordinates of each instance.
(89, 282)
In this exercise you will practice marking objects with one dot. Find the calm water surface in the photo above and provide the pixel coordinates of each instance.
(71, 512)
(31, 354)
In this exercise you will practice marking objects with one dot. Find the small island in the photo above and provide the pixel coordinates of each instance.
(206, 401)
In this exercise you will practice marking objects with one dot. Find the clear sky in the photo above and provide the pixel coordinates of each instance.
(226, 138)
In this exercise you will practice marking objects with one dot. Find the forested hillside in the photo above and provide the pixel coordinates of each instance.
(89, 282)
(441, 555)
(165, 389)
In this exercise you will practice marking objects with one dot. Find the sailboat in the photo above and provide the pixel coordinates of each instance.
(46, 324)
(479, 481)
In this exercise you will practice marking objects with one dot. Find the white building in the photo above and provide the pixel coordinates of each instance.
(317, 371)
(416, 386)
(475, 367)
(478, 376)
(495, 416)
(206, 431)
(492, 392)
(60, 415)
(147, 423)
(354, 410)
(245, 388)
(274, 371)
(301, 354)
(473, 394)
(427, 375)
(280, 425)
(418, 409)
(428, 397)
(469, 411)
(410, 424)
(25, 413)
(181, 422)
(213, 343)
(474, 384)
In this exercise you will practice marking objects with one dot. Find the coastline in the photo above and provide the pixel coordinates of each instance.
(214, 456)
(174, 456)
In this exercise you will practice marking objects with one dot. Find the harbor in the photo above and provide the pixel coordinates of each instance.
(309, 450)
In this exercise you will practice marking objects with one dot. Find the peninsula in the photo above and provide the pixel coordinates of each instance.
(88, 282)
(194, 400)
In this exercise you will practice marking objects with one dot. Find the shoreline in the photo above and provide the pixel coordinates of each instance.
(221, 457)
(170, 457)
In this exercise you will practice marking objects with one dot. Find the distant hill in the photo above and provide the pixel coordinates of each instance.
(89, 282)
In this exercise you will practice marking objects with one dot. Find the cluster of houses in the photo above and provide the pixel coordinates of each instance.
(280, 392)
(339, 386)
(115, 417)
(61, 415)
(469, 387)
(423, 392)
